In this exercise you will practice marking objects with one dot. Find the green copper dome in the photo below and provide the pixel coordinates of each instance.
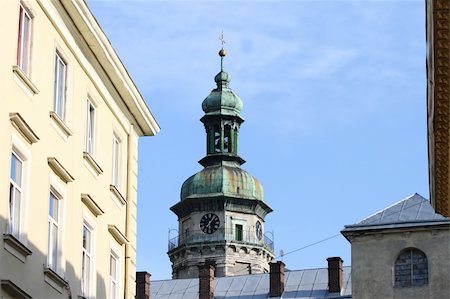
(224, 179)
(222, 100)
(222, 175)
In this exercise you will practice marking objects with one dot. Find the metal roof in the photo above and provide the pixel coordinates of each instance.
(304, 284)
(412, 211)
(225, 179)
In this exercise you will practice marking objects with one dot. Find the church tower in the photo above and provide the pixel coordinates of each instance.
(222, 209)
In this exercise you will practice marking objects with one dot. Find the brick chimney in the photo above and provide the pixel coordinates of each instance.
(335, 274)
(142, 285)
(276, 279)
(206, 282)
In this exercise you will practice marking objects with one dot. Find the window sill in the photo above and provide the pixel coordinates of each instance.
(117, 194)
(25, 80)
(411, 286)
(13, 290)
(54, 279)
(60, 124)
(15, 247)
(88, 158)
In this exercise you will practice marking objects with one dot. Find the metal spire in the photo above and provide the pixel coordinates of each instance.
(222, 52)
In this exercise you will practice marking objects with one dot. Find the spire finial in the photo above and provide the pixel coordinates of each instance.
(222, 52)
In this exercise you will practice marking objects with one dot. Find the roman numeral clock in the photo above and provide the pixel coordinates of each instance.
(222, 209)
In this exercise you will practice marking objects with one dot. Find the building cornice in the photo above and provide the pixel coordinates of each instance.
(219, 202)
(105, 55)
(352, 231)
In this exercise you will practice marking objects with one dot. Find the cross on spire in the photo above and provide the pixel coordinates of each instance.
(222, 39)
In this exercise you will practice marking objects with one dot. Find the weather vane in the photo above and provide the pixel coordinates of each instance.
(222, 52)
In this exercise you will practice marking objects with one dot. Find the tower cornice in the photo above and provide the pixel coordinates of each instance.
(218, 202)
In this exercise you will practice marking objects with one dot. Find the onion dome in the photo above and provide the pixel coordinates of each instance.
(225, 179)
(222, 100)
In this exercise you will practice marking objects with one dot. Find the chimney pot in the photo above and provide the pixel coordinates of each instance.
(276, 279)
(206, 282)
(142, 285)
(335, 274)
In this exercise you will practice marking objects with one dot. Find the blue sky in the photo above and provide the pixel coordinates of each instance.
(334, 100)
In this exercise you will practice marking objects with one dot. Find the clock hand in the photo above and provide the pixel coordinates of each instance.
(209, 223)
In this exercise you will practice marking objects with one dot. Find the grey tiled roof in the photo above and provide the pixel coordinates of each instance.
(414, 210)
(304, 284)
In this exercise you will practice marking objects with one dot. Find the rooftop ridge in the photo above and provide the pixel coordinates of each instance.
(414, 209)
(388, 207)
(253, 275)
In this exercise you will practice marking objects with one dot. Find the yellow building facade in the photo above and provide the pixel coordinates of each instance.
(70, 121)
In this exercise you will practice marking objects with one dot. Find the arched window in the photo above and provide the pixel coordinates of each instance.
(411, 268)
(217, 146)
(227, 139)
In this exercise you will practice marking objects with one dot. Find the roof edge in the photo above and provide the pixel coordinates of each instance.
(113, 66)
(394, 225)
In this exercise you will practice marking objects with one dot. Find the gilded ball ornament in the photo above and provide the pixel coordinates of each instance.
(222, 53)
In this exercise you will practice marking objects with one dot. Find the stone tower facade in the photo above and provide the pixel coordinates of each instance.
(221, 212)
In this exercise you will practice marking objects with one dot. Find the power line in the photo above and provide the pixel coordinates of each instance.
(298, 249)
(309, 245)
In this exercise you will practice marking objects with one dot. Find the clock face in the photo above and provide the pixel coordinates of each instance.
(258, 228)
(209, 223)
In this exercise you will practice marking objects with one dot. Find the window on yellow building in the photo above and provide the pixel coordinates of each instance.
(53, 230)
(15, 194)
(90, 128)
(86, 266)
(113, 275)
(115, 181)
(59, 105)
(24, 41)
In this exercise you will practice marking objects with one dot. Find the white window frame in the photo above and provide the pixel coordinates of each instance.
(87, 285)
(52, 256)
(58, 189)
(24, 40)
(114, 282)
(60, 85)
(22, 152)
(116, 158)
(90, 127)
(14, 188)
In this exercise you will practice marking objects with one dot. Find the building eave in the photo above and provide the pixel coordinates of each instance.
(351, 231)
(430, 96)
(438, 95)
(112, 65)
